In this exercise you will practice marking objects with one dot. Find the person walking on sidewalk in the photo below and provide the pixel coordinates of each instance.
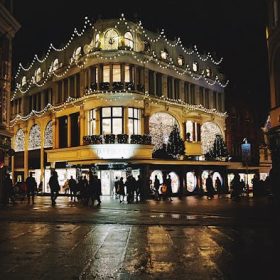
(31, 188)
(169, 187)
(121, 192)
(54, 186)
(209, 187)
(73, 188)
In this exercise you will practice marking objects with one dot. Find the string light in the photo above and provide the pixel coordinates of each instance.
(111, 96)
(122, 19)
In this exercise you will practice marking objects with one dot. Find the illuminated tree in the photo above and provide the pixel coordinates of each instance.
(175, 145)
(219, 149)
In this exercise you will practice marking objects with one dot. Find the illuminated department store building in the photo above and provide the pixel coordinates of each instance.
(108, 98)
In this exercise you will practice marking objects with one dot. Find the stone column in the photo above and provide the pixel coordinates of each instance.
(82, 125)
(125, 120)
(25, 153)
(55, 131)
(98, 122)
(69, 131)
(164, 85)
(42, 155)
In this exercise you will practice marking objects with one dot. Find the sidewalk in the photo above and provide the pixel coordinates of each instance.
(188, 210)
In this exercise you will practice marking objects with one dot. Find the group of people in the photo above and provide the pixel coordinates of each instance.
(134, 189)
(163, 190)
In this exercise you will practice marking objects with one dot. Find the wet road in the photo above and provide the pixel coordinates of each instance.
(160, 242)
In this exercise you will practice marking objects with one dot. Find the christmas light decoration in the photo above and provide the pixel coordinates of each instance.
(209, 130)
(34, 141)
(19, 141)
(48, 142)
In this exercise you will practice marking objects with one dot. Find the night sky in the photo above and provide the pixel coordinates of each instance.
(232, 29)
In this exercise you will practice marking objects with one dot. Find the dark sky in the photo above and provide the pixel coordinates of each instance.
(233, 29)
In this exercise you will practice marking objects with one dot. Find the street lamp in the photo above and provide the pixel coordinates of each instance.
(246, 158)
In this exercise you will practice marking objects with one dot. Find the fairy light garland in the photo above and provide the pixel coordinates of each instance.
(111, 97)
(121, 20)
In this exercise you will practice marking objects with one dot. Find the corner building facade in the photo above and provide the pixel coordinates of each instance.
(108, 99)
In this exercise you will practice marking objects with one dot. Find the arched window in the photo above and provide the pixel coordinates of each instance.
(159, 175)
(175, 182)
(161, 125)
(48, 143)
(38, 75)
(34, 141)
(19, 141)
(111, 40)
(209, 130)
(128, 40)
(191, 181)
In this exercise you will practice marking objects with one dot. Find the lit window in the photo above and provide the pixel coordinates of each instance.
(97, 41)
(77, 53)
(19, 141)
(180, 61)
(55, 65)
(192, 131)
(208, 72)
(126, 74)
(91, 122)
(38, 75)
(106, 73)
(195, 66)
(34, 141)
(112, 120)
(134, 121)
(164, 54)
(189, 130)
(111, 40)
(116, 73)
(128, 40)
(48, 142)
(23, 81)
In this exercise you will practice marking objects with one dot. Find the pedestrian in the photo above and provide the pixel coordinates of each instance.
(236, 187)
(116, 187)
(97, 190)
(8, 190)
(129, 188)
(31, 187)
(91, 186)
(156, 188)
(169, 187)
(218, 185)
(73, 188)
(209, 187)
(54, 186)
(139, 189)
(121, 190)
(256, 185)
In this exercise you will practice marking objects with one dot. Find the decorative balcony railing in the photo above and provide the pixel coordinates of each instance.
(118, 139)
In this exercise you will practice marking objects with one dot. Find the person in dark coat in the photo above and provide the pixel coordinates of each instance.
(209, 187)
(139, 189)
(31, 187)
(169, 187)
(218, 185)
(97, 190)
(121, 190)
(156, 188)
(8, 190)
(73, 188)
(116, 187)
(54, 186)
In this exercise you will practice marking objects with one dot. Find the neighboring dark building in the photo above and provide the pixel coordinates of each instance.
(8, 27)
(273, 43)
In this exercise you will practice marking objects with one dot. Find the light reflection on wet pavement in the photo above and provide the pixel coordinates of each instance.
(72, 251)
(137, 242)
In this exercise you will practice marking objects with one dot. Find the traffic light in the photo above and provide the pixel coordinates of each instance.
(2, 158)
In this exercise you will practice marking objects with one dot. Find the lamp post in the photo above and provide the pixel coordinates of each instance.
(246, 158)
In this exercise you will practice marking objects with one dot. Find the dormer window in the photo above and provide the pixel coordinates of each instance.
(164, 54)
(77, 53)
(195, 66)
(128, 40)
(55, 65)
(97, 41)
(23, 81)
(180, 60)
(111, 40)
(208, 72)
(38, 75)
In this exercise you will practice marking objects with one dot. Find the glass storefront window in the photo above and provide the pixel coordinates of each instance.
(191, 181)
(117, 126)
(175, 183)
